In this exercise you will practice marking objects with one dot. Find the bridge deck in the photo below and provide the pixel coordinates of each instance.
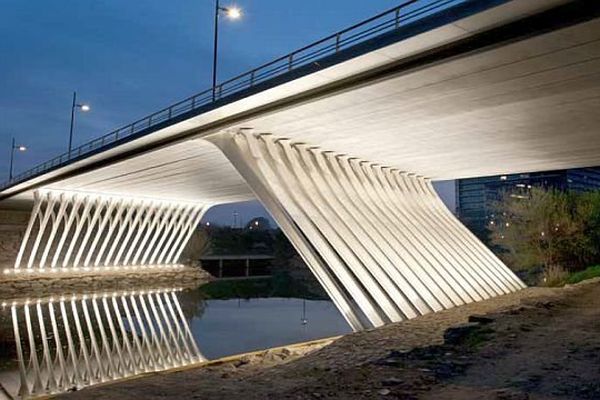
(439, 97)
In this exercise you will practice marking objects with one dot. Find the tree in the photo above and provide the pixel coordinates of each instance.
(586, 212)
(226, 240)
(547, 228)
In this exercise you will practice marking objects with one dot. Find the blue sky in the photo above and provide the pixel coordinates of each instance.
(129, 58)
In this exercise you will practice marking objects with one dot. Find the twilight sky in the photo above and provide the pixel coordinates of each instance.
(130, 58)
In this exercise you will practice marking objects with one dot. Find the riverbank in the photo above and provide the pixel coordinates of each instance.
(35, 286)
(539, 343)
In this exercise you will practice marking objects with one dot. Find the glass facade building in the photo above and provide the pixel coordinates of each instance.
(475, 196)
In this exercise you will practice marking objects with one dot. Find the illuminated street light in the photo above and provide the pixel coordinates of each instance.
(232, 13)
(14, 147)
(75, 106)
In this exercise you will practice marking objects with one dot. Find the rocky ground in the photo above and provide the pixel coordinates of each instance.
(20, 286)
(538, 343)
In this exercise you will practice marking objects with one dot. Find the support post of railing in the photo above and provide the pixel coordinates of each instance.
(397, 18)
(170, 112)
(149, 121)
(290, 61)
(337, 42)
(193, 102)
(252, 78)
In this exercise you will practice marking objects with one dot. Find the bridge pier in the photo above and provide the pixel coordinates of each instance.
(379, 240)
(81, 231)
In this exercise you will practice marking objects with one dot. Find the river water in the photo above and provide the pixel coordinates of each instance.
(64, 342)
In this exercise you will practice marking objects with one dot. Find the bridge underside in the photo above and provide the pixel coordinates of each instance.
(522, 106)
(453, 102)
(379, 240)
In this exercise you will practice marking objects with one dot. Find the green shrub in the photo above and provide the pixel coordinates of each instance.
(588, 273)
(554, 275)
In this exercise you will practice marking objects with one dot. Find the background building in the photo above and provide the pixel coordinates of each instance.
(475, 196)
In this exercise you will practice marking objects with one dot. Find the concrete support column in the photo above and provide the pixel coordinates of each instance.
(79, 231)
(379, 240)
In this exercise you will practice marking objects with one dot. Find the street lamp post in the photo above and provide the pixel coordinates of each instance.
(74, 106)
(233, 13)
(14, 146)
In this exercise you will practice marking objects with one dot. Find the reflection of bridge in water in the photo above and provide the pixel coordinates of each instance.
(75, 341)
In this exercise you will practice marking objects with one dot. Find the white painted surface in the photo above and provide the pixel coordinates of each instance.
(72, 231)
(526, 106)
(378, 234)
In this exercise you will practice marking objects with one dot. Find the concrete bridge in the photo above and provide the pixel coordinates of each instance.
(340, 141)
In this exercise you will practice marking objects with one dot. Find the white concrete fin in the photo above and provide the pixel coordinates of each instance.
(80, 231)
(380, 241)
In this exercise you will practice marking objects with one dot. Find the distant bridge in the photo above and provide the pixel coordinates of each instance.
(340, 141)
(237, 265)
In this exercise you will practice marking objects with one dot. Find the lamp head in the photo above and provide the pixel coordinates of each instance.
(85, 107)
(233, 12)
(21, 148)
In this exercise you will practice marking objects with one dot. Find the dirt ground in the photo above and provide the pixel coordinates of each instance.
(538, 343)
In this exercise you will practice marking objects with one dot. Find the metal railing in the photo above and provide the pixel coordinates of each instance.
(368, 29)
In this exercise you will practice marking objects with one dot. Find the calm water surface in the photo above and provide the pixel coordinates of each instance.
(59, 342)
(237, 326)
